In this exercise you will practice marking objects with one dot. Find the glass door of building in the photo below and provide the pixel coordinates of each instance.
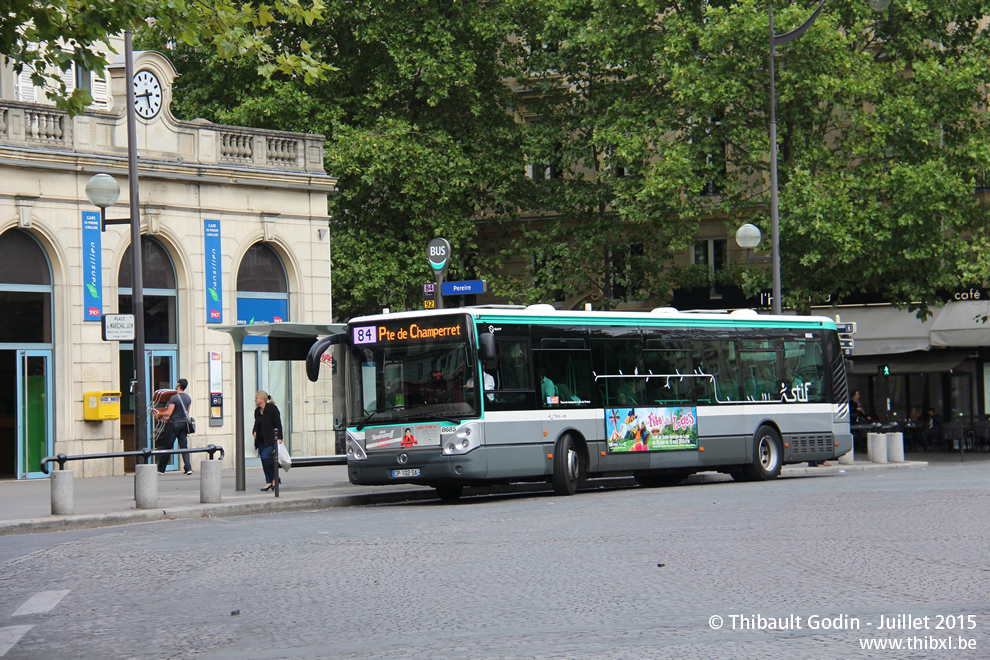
(262, 374)
(159, 375)
(34, 411)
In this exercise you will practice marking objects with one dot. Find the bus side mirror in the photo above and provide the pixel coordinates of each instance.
(486, 346)
(316, 352)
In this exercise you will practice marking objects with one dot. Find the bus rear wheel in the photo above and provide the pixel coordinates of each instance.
(566, 466)
(449, 493)
(767, 456)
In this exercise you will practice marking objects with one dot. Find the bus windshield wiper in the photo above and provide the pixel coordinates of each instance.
(366, 420)
(441, 418)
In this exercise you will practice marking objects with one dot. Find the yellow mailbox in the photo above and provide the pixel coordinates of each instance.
(101, 405)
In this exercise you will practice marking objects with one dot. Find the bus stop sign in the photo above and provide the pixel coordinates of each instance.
(438, 252)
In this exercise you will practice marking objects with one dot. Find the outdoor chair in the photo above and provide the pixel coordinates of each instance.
(953, 434)
(981, 435)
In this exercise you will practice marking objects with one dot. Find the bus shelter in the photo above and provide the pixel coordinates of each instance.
(286, 341)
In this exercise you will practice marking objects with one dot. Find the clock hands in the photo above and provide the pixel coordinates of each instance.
(147, 98)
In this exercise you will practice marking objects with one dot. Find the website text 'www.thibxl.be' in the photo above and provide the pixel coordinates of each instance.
(900, 631)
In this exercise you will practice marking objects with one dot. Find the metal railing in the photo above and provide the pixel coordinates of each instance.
(62, 459)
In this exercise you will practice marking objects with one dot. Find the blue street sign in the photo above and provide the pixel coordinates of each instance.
(463, 288)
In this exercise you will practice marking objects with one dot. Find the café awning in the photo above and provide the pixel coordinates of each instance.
(884, 329)
(962, 323)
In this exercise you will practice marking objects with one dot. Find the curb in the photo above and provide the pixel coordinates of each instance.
(314, 503)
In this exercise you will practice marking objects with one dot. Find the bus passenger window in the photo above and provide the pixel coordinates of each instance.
(804, 369)
(626, 395)
(563, 378)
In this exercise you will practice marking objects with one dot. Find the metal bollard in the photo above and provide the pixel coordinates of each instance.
(209, 482)
(63, 493)
(146, 486)
(895, 447)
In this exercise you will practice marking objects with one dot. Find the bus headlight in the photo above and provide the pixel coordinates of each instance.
(464, 440)
(355, 452)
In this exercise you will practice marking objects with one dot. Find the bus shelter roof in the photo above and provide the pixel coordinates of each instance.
(284, 329)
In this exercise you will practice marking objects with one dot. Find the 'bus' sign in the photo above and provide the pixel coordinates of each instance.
(438, 252)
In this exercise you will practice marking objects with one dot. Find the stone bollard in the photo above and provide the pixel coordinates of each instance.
(870, 439)
(146, 485)
(63, 493)
(209, 482)
(849, 457)
(895, 447)
(879, 448)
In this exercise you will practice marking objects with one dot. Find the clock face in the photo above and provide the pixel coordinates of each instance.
(147, 94)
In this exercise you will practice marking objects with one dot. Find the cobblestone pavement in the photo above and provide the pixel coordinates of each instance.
(620, 573)
(108, 501)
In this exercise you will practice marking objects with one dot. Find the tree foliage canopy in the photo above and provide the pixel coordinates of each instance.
(882, 133)
(49, 37)
(630, 115)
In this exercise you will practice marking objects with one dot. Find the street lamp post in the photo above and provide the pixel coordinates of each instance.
(102, 191)
(780, 40)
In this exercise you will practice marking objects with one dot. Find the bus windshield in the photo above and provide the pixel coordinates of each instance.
(403, 371)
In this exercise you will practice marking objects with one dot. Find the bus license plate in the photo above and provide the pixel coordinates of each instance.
(405, 473)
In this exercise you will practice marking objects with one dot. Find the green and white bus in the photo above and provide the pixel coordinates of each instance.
(497, 394)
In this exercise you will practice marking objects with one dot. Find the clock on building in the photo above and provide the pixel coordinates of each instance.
(147, 94)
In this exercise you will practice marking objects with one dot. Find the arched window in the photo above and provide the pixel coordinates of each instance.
(25, 290)
(158, 288)
(262, 271)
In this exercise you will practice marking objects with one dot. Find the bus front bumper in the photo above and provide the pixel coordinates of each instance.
(425, 467)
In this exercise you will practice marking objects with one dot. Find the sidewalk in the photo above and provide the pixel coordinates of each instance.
(106, 501)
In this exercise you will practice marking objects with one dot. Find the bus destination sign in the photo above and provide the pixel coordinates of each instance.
(413, 330)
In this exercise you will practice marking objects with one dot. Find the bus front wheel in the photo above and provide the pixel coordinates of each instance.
(566, 466)
(767, 456)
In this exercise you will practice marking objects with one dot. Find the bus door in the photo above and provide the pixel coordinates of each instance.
(512, 419)
(564, 393)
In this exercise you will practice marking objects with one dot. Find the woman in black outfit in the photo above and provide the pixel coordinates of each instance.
(267, 431)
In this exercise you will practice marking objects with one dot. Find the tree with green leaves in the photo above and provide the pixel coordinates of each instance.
(639, 123)
(49, 37)
(418, 128)
(882, 129)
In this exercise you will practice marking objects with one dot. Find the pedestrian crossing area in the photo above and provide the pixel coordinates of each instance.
(40, 603)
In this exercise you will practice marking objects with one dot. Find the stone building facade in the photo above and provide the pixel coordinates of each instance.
(234, 230)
